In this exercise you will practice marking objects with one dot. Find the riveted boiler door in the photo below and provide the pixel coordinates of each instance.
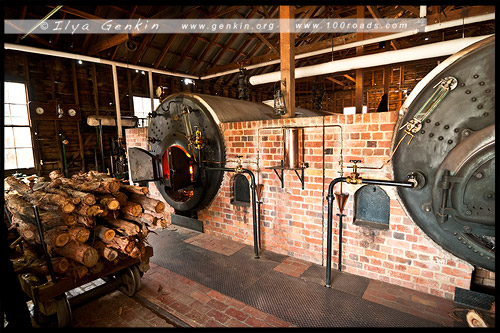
(185, 136)
(452, 152)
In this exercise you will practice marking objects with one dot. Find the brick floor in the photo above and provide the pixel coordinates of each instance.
(115, 310)
(293, 266)
(216, 244)
(410, 301)
(198, 305)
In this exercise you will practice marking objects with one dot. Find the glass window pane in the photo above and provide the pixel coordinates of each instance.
(16, 92)
(10, 159)
(6, 115)
(22, 136)
(8, 137)
(19, 114)
(25, 158)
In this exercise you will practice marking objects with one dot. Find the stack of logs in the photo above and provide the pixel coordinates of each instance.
(89, 221)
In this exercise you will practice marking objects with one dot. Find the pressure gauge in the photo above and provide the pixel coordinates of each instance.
(39, 110)
(72, 112)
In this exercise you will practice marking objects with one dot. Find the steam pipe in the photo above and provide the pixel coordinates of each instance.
(254, 209)
(330, 198)
(433, 50)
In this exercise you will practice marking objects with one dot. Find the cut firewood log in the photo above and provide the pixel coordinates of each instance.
(105, 212)
(87, 210)
(97, 268)
(88, 221)
(103, 233)
(142, 218)
(16, 204)
(147, 203)
(109, 202)
(77, 270)
(105, 251)
(161, 218)
(55, 237)
(39, 266)
(121, 197)
(81, 253)
(43, 185)
(105, 186)
(125, 245)
(114, 214)
(69, 219)
(41, 199)
(131, 208)
(79, 234)
(86, 198)
(134, 189)
(474, 319)
(125, 227)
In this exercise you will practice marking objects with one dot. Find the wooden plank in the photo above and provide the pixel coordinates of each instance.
(287, 56)
(358, 98)
(77, 101)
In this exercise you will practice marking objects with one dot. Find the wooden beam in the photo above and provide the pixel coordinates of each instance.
(349, 77)
(335, 81)
(163, 53)
(358, 94)
(287, 56)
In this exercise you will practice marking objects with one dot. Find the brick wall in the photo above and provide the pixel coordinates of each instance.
(293, 220)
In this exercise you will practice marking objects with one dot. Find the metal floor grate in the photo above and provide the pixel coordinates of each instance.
(303, 301)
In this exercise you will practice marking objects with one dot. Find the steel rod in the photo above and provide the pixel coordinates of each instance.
(44, 246)
(256, 228)
(340, 242)
(330, 200)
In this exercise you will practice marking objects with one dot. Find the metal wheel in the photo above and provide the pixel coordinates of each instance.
(130, 282)
(63, 311)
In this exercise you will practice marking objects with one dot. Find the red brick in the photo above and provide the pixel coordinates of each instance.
(255, 322)
(217, 315)
(236, 314)
(217, 304)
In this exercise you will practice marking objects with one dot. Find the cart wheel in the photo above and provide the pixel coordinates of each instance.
(137, 272)
(130, 282)
(63, 311)
(40, 318)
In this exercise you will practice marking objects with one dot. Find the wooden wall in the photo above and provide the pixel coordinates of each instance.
(398, 78)
(90, 86)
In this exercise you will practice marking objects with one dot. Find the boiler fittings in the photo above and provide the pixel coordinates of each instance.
(354, 177)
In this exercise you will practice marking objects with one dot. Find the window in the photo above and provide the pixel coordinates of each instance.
(18, 146)
(142, 106)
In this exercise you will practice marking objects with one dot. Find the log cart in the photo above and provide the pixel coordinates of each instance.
(72, 231)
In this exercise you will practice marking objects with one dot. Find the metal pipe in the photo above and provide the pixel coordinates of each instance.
(428, 28)
(254, 210)
(30, 49)
(330, 198)
(432, 50)
(52, 12)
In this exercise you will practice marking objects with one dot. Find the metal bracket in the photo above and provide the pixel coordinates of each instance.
(282, 176)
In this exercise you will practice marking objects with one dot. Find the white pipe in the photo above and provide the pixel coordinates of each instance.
(423, 11)
(428, 28)
(372, 60)
(30, 49)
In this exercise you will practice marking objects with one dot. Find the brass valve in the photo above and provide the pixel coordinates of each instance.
(198, 140)
(354, 177)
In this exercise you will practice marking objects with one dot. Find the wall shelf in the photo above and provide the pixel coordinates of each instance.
(282, 168)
